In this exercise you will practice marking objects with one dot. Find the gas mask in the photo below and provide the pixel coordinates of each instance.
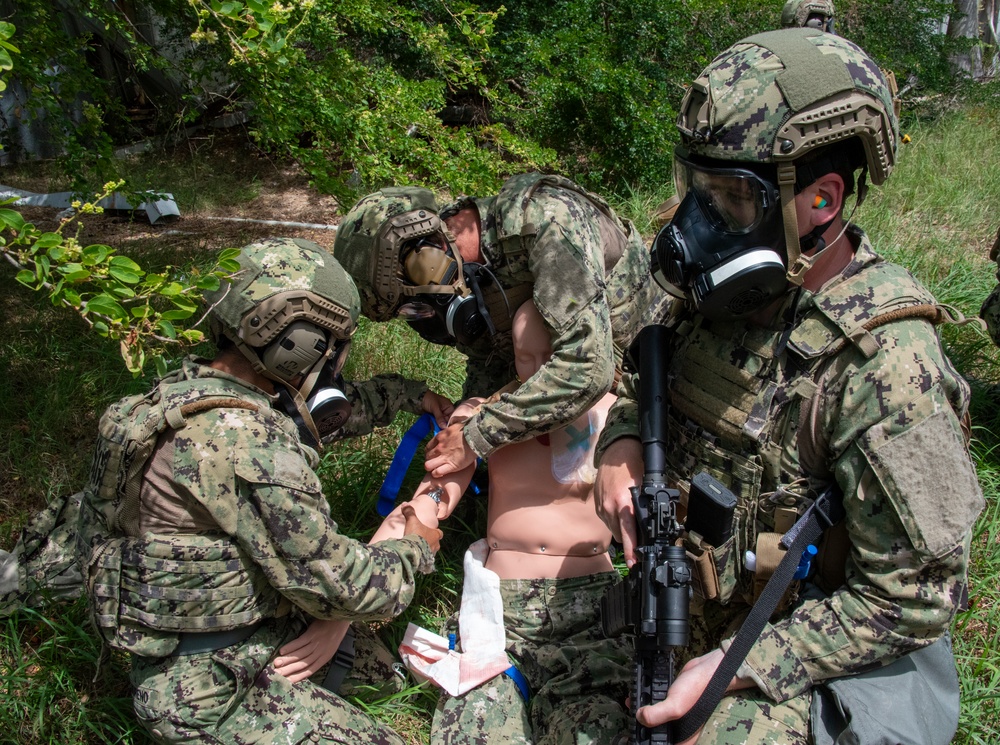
(724, 248)
(455, 314)
(302, 350)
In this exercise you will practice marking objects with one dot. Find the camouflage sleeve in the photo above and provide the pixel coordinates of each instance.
(567, 262)
(258, 483)
(911, 496)
(623, 417)
(375, 402)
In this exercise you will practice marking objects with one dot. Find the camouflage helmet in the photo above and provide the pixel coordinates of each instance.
(781, 95)
(368, 240)
(282, 281)
(800, 12)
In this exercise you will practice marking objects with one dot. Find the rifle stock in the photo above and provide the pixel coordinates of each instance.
(652, 602)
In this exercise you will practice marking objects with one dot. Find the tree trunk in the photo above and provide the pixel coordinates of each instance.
(964, 24)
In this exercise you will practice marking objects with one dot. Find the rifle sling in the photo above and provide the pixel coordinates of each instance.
(825, 511)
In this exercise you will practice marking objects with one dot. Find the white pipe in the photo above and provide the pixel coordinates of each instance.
(284, 223)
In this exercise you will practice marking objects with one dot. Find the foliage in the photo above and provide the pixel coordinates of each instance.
(457, 93)
(905, 36)
(115, 296)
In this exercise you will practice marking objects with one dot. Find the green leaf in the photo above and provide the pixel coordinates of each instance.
(209, 283)
(48, 240)
(101, 328)
(95, 254)
(123, 291)
(176, 315)
(229, 265)
(75, 276)
(161, 365)
(12, 219)
(192, 336)
(124, 275)
(184, 303)
(167, 329)
(26, 277)
(107, 306)
(126, 264)
(169, 290)
(142, 311)
(229, 253)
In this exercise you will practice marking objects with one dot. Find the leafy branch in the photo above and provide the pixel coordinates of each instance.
(145, 312)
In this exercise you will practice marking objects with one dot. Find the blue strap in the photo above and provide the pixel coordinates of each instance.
(401, 461)
(520, 681)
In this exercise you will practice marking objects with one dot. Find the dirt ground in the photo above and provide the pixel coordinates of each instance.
(282, 194)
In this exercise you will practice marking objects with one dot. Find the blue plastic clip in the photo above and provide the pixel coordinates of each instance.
(424, 426)
(805, 562)
(452, 638)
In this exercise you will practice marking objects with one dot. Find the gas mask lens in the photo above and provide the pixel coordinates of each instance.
(733, 200)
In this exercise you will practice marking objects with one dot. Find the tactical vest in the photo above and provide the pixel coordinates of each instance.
(145, 589)
(742, 406)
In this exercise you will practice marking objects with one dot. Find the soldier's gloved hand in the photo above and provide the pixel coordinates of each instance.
(305, 655)
(448, 452)
(415, 527)
(620, 469)
(437, 406)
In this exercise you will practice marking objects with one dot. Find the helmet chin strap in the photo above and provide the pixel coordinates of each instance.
(798, 263)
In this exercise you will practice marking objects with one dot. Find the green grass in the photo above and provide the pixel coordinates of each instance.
(935, 214)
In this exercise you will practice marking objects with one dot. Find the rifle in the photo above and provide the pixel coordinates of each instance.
(652, 602)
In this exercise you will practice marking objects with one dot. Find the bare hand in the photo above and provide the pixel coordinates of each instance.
(305, 655)
(415, 527)
(685, 691)
(448, 452)
(438, 406)
(620, 469)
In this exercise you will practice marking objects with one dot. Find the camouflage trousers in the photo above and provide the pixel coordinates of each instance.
(43, 566)
(234, 695)
(747, 717)
(578, 678)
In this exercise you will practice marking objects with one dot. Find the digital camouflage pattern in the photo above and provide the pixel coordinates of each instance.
(797, 12)
(276, 266)
(550, 236)
(774, 414)
(235, 696)
(554, 235)
(578, 678)
(740, 106)
(990, 311)
(357, 235)
(247, 470)
(44, 566)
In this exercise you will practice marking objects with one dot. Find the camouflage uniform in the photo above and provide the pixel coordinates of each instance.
(892, 440)
(44, 567)
(245, 471)
(545, 238)
(990, 312)
(578, 677)
(846, 385)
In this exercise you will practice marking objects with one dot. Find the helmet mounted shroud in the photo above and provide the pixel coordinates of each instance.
(779, 96)
(290, 311)
(406, 263)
